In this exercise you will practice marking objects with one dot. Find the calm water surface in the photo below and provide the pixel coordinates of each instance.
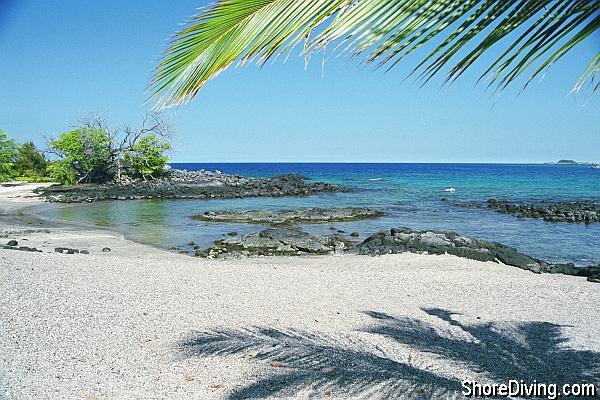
(409, 194)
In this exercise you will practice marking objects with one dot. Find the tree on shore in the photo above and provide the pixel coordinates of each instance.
(31, 162)
(94, 153)
(134, 143)
(523, 37)
(84, 156)
(8, 156)
(146, 158)
(20, 161)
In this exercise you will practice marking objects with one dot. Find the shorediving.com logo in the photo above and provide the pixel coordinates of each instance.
(515, 388)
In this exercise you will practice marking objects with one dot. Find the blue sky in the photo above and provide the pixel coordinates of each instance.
(63, 59)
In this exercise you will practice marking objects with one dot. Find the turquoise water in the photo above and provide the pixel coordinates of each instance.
(409, 194)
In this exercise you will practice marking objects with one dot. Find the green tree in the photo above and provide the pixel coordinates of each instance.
(451, 35)
(86, 152)
(146, 159)
(62, 172)
(30, 162)
(94, 153)
(8, 157)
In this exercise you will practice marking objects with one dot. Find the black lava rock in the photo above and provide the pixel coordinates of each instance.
(66, 250)
(567, 211)
(401, 240)
(181, 184)
(22, 248)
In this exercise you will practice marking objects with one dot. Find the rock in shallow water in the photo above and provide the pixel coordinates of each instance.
(566, 211)
(277, 242)
(190, 185)
(290, 217)
(401, 240)
(283, 241)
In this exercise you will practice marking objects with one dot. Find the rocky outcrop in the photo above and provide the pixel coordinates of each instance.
(568, 211)
(288, 241)
(14, 245)
(190, 185)
(401, 240)
(66, 250)
(10, 232)
(290, 217)
(21, 248)
(593, 273)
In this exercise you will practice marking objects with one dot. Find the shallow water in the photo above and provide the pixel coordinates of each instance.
(408, 193)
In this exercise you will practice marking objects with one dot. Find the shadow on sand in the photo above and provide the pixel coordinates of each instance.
(351, 366)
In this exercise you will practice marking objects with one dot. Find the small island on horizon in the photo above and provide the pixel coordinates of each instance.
(573, 162)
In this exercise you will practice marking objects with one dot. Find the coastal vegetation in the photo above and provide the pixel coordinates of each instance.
(8, 156)
(524, 38)
(31, 162)
(84, 156)
(146, 157)
(21, 161)
(91, 153)
(94, 153)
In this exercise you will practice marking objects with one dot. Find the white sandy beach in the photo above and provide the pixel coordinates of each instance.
(142, 323)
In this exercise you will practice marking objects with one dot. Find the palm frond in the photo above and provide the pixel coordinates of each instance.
(531, 35)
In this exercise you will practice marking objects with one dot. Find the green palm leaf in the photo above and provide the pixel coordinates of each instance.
(530, 34)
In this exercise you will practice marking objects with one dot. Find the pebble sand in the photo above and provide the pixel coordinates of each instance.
(142, 323)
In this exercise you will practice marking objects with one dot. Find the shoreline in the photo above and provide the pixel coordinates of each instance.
(22, 216)
(22, 204)
(412, 203)
(140, 322)
(46, 234)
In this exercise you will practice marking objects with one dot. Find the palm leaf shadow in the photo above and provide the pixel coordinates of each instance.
(349, 366)
(528, 351)
(320, 362)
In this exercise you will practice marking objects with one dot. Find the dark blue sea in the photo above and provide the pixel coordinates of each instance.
(409, 194)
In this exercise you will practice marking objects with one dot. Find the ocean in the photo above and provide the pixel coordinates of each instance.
(409, 194)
